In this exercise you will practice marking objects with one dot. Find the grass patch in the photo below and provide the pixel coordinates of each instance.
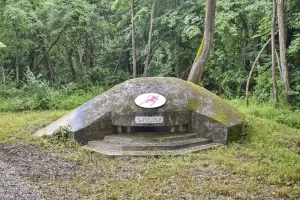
(15, 126)
(283, 115)
(265, 164)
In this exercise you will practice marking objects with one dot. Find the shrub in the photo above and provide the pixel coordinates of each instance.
(39, 89)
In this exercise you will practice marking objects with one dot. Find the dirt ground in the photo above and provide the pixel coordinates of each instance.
(47, 177)
(37, 169)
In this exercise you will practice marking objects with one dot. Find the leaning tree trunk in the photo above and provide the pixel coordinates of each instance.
(198, 66)
(252, 68)
(17, 69)
(282, 46)
(251, 71)
(119, 59)
(3, 77)
(133, 42)
(2, 68)
(70, 61)
(149, 40)
(50, 47)
(275, 88)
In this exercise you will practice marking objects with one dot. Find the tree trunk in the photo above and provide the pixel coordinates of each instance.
(149, 39)
(282, 46)
(133, 42)
(70, 61)
(17, 70)
(199, 50)
(3, 77)
(118, 62)
(50, 68)
(198, 66)
(87, 55)
(278, 63)
(275, 88)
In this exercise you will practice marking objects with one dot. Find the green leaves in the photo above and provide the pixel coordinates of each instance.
(192, 29)
(119, 4)
(84, 42)
(294, 48)
(21, 16)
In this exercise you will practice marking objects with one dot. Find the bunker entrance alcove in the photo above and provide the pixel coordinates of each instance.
(151, 129)
(189, 119)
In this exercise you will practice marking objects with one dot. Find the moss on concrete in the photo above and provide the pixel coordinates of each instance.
(195, 88)
(192, 105)
(169, 97)
(127, 109)
(224, 114)
(220, 110)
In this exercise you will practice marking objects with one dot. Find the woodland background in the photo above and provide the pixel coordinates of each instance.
(61, 53)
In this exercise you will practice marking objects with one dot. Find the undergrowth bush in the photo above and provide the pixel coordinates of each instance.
(40, 91)
(57, 99)
(36, 94)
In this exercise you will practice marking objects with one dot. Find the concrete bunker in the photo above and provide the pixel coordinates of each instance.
(188, 109)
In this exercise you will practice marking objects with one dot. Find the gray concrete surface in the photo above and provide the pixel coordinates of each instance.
(187, 105)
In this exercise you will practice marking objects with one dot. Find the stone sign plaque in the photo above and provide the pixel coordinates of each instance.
(150, 100)
(149, 120)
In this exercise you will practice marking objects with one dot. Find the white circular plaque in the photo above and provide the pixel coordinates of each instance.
(150, 100)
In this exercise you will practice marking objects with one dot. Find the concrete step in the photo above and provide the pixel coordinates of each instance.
(145, 146)
(145, 138)
(178, 152)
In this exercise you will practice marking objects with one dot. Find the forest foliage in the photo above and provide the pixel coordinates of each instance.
(71, 47)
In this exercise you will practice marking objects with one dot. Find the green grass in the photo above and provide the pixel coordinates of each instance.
(283, 114)
(265, 163)
(21, 125)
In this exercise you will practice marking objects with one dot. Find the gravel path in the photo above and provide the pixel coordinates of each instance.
(27, 173)
(13, 187)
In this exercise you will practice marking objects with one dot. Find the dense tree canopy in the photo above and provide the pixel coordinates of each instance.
(88, 42)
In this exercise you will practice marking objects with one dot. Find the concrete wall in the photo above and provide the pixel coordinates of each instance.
(96, 131)
(208, 128)
(170, 118)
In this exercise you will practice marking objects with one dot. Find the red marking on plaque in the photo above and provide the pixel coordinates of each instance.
(151, 98)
